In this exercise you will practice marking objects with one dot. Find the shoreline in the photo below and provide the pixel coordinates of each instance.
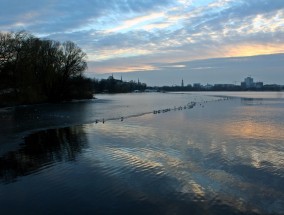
(3, 107)
(58, 116)
(45, 103)
(15, 141)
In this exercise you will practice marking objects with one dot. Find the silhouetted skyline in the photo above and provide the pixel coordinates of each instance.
(263, 68)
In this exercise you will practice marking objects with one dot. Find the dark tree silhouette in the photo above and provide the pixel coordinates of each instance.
(112, 85)
(34, 70)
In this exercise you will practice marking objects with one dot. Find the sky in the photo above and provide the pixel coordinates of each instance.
(163, 41)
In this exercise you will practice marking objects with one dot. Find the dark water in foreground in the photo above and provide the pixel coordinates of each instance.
(220, 157)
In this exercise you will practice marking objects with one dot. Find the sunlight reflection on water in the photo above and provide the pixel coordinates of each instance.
(236, 160)
(221, 157)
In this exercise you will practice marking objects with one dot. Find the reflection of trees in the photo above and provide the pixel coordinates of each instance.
(40, 150)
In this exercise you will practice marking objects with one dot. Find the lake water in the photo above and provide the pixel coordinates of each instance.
(223, 156)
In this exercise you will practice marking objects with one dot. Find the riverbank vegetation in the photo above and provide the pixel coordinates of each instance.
(112, 85)
(34, 70)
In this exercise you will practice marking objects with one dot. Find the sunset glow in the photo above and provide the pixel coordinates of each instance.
(124, 36)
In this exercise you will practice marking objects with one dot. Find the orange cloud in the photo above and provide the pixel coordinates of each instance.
(252, 49)
(126, 68)
(117, 53)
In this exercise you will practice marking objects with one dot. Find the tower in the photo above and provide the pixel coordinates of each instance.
(182, 84)
(249, 82)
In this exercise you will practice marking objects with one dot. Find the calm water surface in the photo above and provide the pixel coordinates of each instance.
(224, 156)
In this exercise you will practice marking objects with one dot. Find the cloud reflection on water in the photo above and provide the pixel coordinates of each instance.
(232, 162)
(198, 159)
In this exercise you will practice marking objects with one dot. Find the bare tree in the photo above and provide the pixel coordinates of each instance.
(39, 70)
(73, 60)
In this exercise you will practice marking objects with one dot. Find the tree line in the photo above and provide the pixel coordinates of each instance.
(34, 70)
(112, 85)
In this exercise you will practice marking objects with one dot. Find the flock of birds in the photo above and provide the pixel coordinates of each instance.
(190, 105)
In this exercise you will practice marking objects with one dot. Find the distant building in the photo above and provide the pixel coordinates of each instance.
(259, 85)
(208, 87)
(110, 77)
(224, 86)
(182, 84)
(197, 85)
(248, 83)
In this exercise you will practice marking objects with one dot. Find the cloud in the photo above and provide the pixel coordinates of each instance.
(251, 49)
(131, 35)
(141, 20)
(266, 68)
(47, 16)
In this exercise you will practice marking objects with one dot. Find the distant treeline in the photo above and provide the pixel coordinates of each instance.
(111, 85)
(34, 70)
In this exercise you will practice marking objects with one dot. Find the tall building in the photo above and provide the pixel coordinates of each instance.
(248, 83)
(182, 84)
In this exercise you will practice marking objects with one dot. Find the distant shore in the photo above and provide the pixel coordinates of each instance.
(13, 104)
